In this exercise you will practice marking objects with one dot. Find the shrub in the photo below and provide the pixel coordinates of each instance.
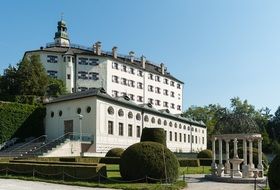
(189, 162)
(273, 173)
(149, 159)
(154, 135)
(115, 152)
(205, 157)
(110, 160)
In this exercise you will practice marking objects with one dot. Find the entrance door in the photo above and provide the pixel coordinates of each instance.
(68, 127)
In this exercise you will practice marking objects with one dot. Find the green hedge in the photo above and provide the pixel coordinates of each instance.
(205, 157)
(20, 120)
(189, 162)
(110, 160)
(115, 152)
(48, 170)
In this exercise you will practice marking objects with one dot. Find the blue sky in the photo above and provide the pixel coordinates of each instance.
(220, 49)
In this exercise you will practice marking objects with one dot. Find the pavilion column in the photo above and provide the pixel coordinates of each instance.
(244, 166)
(251, 165)
(214, 165)
(260, 166)
(220, 166)
(235, 155)
(227, 164)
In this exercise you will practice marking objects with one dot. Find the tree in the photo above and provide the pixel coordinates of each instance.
(9, 81)
(33, 79)
(56, 87)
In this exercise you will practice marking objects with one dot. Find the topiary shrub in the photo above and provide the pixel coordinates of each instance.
(145, 159)
(273, 174)
(154, 135)
(205, 157)
(114, 152)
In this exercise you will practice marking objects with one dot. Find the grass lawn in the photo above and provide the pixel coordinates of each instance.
(195, 170)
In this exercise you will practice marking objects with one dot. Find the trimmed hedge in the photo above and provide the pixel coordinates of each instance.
(189, 162)
(20, 120)
(145, 159)
(110, 160)
(273, 174)
(154, 135)
(115, 152)
(205, 157)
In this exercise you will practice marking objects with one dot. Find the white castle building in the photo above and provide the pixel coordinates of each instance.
(113, 98)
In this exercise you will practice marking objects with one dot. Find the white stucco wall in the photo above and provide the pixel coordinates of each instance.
(67, 149)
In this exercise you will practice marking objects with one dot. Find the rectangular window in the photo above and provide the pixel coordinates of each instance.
(68, 76)
(124, 68)
(165, 92)
(82, 61)
(189, 140)
(157, 102)
(192, 139)
(93, 75)
(150, 88)
(131, 83)
(120, 129)
(140, 73)
(202, 140)
(114, 93)
(129, 130)
(151, 76)
(131, 70)
(178, 86)
(170, 135)
(82, 88)
(138, 131)
(115, 65)
(157, 89)
(165, 104)
(157, 78)
(82, 75)
(165, 81)
(195, 139)
(124, 81)
(178, 107)
(171, 83)
(175, 136)
(185, 140)
(52, 59)
(110, 128)
(69, 59)
(115, 79)
(131, 96)
(73, 60)
(150, 100)
(52, 74)
(93, 61)
(172, 106)
(139, 98)
(172, 94)
(180, 137)
(139, 85)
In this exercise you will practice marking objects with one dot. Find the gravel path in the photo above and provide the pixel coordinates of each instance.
(197, 182)
(14, 184)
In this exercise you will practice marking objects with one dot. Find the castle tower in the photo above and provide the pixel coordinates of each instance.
(61, 36)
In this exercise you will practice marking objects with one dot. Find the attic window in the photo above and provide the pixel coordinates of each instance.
(126, 98)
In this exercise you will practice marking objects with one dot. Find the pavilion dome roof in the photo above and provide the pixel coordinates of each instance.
(236, 124)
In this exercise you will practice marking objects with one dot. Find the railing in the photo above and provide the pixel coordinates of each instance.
(57, 141)
(41, 138)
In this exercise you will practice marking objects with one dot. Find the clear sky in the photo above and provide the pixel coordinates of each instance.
(220, 49)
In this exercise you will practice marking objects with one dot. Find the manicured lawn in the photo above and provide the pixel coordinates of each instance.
(195, 170)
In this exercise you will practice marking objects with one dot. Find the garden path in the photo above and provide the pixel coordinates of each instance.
(198, 182)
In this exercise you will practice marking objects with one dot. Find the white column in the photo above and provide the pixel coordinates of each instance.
(227, 164)
(235, 155)
(221, 166)
(214, 165)
(245, 166)
(251, 164)
(260, 166)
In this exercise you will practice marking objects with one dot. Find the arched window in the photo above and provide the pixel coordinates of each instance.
(180, 126)
(159, 121)
(170, 124)
(146, 118)
(79, 110)
(175, 125)
(153, 120)
(165, 123)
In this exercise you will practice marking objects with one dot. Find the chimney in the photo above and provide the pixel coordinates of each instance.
(98, 48)
(131, 55)
(114, 52)
(143, 61)
(162, 68)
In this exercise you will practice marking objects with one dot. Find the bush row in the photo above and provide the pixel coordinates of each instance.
(20, 120)
(184, 162)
